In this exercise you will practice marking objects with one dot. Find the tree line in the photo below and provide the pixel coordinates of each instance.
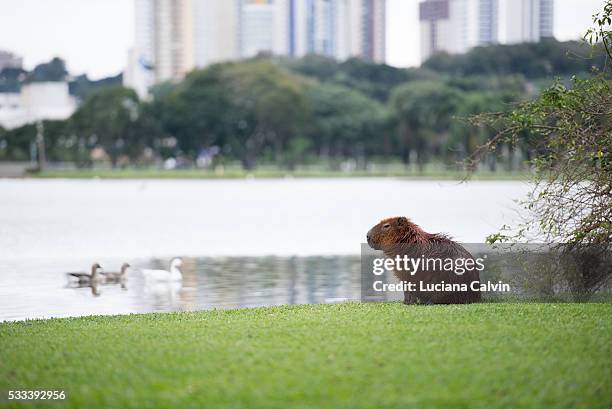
(289, 112)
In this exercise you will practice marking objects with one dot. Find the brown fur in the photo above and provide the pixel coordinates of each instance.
(399, 236)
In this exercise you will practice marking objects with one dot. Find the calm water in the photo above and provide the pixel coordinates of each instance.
(245, 242)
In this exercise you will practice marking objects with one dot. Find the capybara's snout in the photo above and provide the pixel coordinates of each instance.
(369, 238)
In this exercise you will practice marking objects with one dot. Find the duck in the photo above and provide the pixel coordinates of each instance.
(116, 277)
(162, 275)
(87, 278)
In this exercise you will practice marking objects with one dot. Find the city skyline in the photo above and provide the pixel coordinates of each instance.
(172, 37)
(101, 47)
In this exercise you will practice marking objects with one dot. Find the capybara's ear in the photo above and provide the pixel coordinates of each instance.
(402, 220)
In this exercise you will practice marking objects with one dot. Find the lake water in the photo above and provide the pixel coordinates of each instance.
(244, 242)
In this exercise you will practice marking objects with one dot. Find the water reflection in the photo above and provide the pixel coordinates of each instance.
(256, 281)
(94, 287)
(219, 282)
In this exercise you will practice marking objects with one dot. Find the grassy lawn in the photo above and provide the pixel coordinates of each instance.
(348, 355)
(270, 172)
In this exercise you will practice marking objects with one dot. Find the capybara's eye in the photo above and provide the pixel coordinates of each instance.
(386, 226)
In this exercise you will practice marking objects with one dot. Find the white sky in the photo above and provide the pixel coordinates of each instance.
(93, 35)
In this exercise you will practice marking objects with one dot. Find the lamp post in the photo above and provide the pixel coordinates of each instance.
(40, 143)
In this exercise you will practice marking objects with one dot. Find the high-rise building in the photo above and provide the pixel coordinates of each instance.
(173, 38)
(488, 22)
(455, 26)
(547, 13)
(338, 28)
(163, 43)
(311, 27)
(528, 20)
(263, 27)
(361, 28)
(321, 24)
(140, 70)
(216, 31)
(373, 15)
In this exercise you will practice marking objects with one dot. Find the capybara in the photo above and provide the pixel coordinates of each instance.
(398, 236)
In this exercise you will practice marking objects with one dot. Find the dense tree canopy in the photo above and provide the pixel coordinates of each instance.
(81, 86)
(424, 111)
(10, 79)
(547, 58)
(344, 122)
(292, 111)
(109, 119)
(244, 107)
(54, 70)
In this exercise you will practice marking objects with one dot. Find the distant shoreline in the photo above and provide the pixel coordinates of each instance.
(270, 174)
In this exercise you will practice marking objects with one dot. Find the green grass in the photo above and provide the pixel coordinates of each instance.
(352, 355)
(270, 172)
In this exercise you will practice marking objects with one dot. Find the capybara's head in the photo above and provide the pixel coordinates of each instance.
(388, 232)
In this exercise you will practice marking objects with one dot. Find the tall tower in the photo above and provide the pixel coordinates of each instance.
(547, 12)
(311, 27)
(433, 15)
(163, 43)
(488, 22)
(216, 31)
(373, 16)
(263, 27)
(361, 27)
(529, 20)
(140, 70)
(455, 26)
(173, 38)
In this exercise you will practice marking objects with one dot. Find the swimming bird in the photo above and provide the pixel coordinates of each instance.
(85, 278)
(162, 275)
(116, 277)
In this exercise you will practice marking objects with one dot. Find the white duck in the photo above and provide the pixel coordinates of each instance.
(162, 275)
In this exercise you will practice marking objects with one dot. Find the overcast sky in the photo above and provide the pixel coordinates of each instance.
(93, 35)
